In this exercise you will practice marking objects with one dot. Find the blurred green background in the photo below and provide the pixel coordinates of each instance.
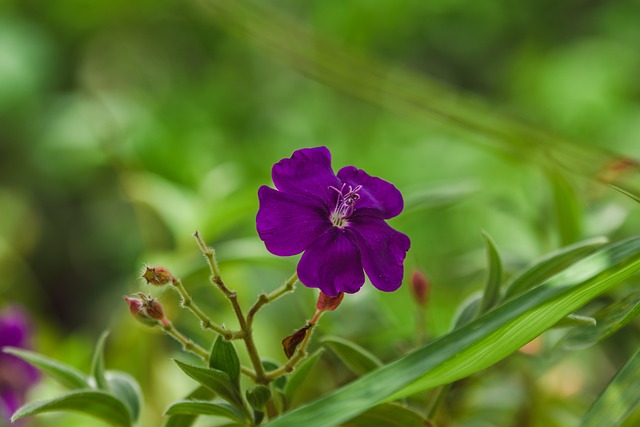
(125, 126)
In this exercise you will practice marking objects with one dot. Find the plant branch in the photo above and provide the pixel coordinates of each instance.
(264, 299)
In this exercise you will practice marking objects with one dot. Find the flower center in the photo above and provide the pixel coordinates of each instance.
(345, 204)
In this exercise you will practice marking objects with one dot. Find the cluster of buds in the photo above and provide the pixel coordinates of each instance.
(147, 310)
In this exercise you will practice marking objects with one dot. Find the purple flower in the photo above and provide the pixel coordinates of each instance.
(16, 376)
(338, 221)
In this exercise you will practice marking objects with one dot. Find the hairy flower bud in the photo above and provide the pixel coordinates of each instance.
(420, 288)
(147, 310)
(158, 276)
(327, 303)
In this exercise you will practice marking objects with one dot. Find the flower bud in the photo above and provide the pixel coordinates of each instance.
(138, 310)
(327, 303)
(158, 276)
(420, 288)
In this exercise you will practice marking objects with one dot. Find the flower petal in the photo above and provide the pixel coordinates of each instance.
(332, 263)
(289, 223)
(383, 250)
(377, 197)
(307, 172)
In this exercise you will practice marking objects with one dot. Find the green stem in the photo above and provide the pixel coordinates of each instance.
(245, 333)
(187, 344)
(264, 299)
(205, 322)
(300, 354)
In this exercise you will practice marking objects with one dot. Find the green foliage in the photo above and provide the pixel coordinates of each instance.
(357, 359)
(196, 408)
(494, 275)
(480, 343)
(113, 396)
(297, 378)
(96, 403)
(387, 415)
(215, 380)
(224, 357)
(618, 399)
(68, 376)
(607, 321)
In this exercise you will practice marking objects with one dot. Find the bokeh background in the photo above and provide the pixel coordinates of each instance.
(125, 126)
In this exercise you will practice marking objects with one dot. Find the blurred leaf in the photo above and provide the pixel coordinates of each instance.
(433, 198)
(179, 420)
(196, 407)
(126, 388)
(92, 402)
(66, 375)
(387, 415)
(356, 358)
(258, 396)
(215, 380)
(224, 357)
(618, 399)
(97, 364)
(567, 208)
(468, 310)
(551, 264)
(270, 365)
(608, 321)
(576, 320)
(494, 275)
(300, 374)
(478, 345)
(635, 197)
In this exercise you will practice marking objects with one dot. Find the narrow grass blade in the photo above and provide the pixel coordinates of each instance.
(567, 208)
(97, 364)
(618, 399)
(494, 275)
(607, 322)
(66, 375)
(551, 264)
(479, 344)
(356, 358)
(387, 415)
(92, 402)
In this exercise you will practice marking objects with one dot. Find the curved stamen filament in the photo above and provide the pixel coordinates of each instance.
(345, 204)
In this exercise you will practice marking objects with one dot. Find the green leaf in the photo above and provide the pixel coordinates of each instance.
(97, 364)
(618, 399)
(126, 388)
(439, 197)
(216, 381)
(179, 420)
(387, 415)
(300, 374)
(576, 320)
(356, 358)
(224, 357)
(567, 208)
(549, 265)
(608, 321)
(92, 402)
(199, 407)
(468, 310)
(258, 396)
(494, 275)
(269, 365)
(477, 345)
(66, 375)
(626, 193)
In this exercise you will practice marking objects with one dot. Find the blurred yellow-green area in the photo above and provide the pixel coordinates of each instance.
(125, 126)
